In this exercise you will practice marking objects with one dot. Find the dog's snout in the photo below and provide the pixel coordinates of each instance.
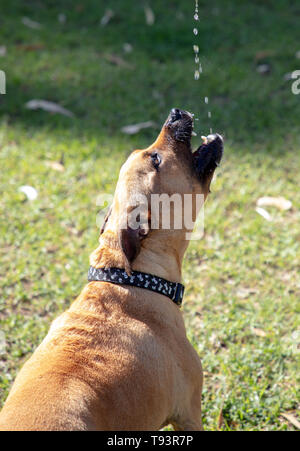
(176, 114)
(179, 125)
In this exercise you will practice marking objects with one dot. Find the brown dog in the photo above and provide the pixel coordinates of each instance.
(119, 358)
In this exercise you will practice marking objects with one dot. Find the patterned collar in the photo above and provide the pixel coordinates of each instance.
(172, 290)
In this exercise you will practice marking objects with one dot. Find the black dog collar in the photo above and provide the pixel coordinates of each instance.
(172, 290)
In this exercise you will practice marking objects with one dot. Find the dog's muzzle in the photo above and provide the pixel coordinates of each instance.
(175, 114)
(179, 125)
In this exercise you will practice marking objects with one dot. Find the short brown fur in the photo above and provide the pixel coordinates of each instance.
(119, 358)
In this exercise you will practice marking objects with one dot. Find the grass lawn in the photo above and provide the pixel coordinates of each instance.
(243, 278)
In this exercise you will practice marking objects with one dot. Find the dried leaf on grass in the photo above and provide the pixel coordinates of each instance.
(127, 47)
(31, 23)
(279, 202)
(244, 293)
(149, 15)
(221, 419)
(118, 61)
(135, 128)
(45, 105)
(30, 192)
(61, 18)
(55, 165)
(292, 419)
(262, 212)
(263, 69)
(259, 332)
(2, 50)
(108, 15)
(30, 47)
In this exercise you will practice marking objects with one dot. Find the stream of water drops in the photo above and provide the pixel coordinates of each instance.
(198, 69)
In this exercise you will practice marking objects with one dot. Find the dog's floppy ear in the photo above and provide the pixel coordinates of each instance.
(130, 243)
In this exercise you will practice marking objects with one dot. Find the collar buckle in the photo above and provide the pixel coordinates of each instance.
(178, 294)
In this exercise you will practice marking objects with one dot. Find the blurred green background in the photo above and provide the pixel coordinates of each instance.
(242, 279)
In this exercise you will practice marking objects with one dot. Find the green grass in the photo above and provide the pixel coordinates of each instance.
(243, 286)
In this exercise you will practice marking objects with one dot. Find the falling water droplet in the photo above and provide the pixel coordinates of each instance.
(198, 70)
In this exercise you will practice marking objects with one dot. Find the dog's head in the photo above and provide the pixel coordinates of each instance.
(169, 169)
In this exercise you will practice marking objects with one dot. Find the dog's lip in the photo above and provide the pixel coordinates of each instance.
(211, 140)
(209, 154)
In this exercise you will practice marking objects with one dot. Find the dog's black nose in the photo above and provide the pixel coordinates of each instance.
(176, 114)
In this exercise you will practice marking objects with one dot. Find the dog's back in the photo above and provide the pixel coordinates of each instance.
(103, 365)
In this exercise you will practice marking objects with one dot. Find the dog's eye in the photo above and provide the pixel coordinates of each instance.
(156, 160)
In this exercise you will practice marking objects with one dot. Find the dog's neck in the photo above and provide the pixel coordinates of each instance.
(160, 259)
(154, 258)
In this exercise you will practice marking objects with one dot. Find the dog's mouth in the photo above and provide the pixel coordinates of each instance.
(208, 156)
(179, 126)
